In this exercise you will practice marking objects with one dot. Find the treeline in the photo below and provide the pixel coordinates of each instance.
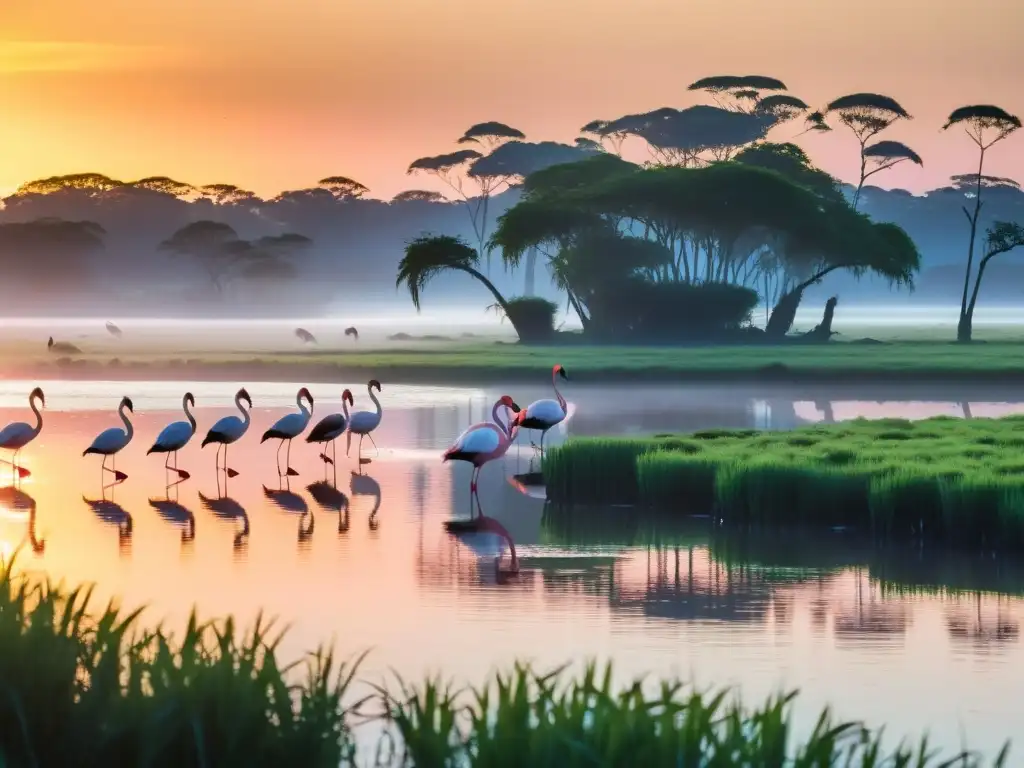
(221, 246)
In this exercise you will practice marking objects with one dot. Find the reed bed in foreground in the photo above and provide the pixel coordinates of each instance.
(948, 480)
(85, 689)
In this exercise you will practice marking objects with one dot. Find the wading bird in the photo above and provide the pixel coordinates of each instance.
(62, 347)
(542, 415)
(113, 330)
(330, 428)
(305, 336)
(110, 441)
(363, 423)
(17, 435)
(228, 430)
(288, 427)
(351, 331)
(175, 436)
(485, 441)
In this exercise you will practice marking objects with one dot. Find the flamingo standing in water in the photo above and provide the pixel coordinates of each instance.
(363, 423)
(18, 434)
(111, 441)
(175, 436)
(485, 441)
(542, 415)
(288, 427)
(228, 430)
(330, 428)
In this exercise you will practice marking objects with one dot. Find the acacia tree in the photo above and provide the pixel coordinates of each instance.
(1002, 237)
(454, 169)
(343, 188)
(867, 115)
(217, 249)
(738, 92)
(419, 196)
(986, 125)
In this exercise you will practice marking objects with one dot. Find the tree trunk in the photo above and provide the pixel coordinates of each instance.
(784, 313)
(531, 271)
(498, 298)
(963, 328)
(822, 332)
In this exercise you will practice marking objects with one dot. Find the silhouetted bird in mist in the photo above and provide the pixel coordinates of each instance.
(351, 331)
(62, 347)
(305, 336)
(113, 330)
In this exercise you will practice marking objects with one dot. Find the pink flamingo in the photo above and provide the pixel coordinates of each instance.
(485, 441)
(542, 415)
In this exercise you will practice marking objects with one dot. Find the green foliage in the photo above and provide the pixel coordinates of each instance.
(533, 317)
(97, 690)
(429, 255)
(958, 482)
(665, 312)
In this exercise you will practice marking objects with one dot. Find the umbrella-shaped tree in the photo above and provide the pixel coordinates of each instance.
(986, 125)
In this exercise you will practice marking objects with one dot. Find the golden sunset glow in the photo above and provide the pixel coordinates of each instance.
(272, 95)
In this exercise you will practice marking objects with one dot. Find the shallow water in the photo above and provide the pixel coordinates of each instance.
(830, 617)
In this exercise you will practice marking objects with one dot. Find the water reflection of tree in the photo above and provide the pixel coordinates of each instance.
(979, 627)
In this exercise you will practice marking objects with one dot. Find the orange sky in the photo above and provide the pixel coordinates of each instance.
(271, 95)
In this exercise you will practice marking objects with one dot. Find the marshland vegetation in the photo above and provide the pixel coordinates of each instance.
(942, 480)
(121, 693)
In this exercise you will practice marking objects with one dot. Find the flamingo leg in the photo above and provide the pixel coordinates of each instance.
(359, 450)
(216, 459)
(375, 448)
(348, 443)
(288, 460)
(280, 445)
(228, 470)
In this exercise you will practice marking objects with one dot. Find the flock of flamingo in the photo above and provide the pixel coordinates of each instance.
(479, 444)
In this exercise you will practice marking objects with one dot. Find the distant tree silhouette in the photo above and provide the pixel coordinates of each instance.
(219, 251)
(986, 125)
(738, 92)
(867, 115)
(48, 253)
(1002, 237)
(419, 196)
(454, 168)
(227, 194)
(166, 186)
(343, 188)
(92, 182)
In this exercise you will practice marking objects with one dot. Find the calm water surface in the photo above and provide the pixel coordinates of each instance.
(846, 625)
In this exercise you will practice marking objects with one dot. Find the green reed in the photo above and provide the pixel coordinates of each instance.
(88, 688)
(948, 480)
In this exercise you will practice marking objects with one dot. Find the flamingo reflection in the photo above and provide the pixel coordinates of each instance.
(176, 514)
(364, 485)
(485, 536)
(113, 513)
(17, 500)
(331, 499)
(530, 484)
(226, 508)
(288, 501)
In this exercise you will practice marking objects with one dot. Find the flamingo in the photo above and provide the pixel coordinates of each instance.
(288, 427)
(228, 430)
(542, 415)
(111, 441)
(363, 423)
(62, 346)
(18, 434)
(331, 427)
(175, 436)
(351, 331)
(485, 441)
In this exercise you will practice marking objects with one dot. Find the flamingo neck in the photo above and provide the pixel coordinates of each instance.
(245, 413)
(344, 407)
(128, 428)
(496, 418)
(299, 401)
(376, 402)
(38, 413)
(188, 415)
(561, 400)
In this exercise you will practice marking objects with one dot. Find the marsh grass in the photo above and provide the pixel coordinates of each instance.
(946, 480)
(97, 689)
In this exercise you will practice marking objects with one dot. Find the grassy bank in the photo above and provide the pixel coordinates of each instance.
(954, 481)
(88, 689)
(473, 362)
